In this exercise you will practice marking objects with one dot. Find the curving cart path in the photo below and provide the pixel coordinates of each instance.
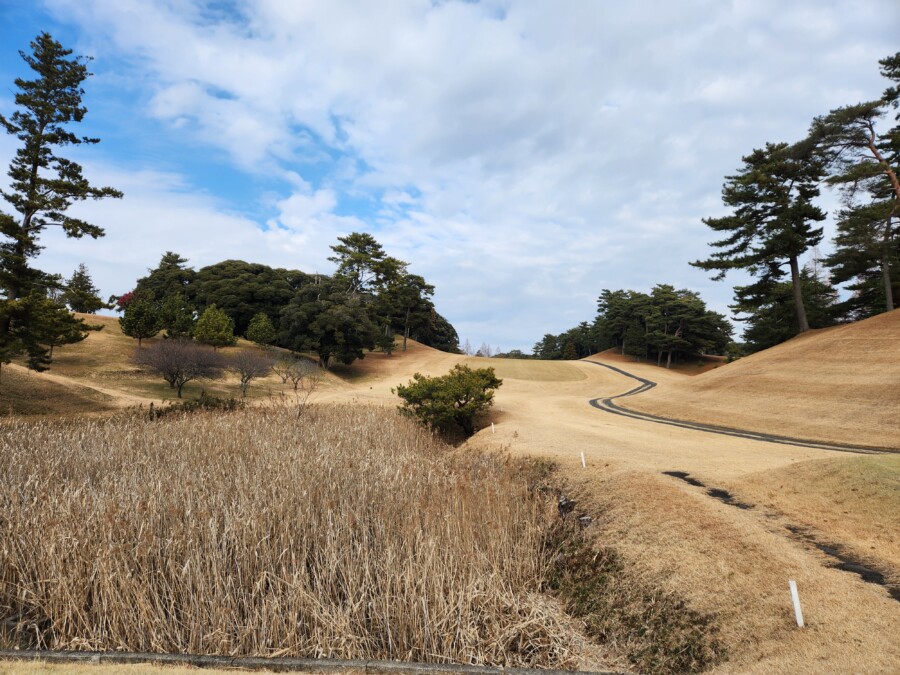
(609, 405)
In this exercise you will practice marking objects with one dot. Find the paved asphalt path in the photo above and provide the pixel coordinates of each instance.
(608, 405)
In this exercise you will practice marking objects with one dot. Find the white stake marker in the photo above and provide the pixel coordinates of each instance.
(493, 431)
(795, 596)
(583, 463)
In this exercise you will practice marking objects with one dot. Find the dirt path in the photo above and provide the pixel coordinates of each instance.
(607, 404)
(119, 399)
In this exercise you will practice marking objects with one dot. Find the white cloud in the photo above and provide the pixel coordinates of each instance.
(525, 155)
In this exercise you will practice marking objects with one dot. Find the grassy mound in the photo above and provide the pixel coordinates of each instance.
(855, 500)
(836, 384)
(23, 392)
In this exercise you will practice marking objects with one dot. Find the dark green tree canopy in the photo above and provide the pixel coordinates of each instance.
(171, 277)
(361, 262)
(863, 156)
(370, 298)
(261, 330)
(773, 216)
(80, 294)
(215, 328)
(243, 290)
(177, 316)
(140, 319)
(767, 308)
(322, 318)
(669, 323)
(437, 333)
(43, 185)
(866, 258)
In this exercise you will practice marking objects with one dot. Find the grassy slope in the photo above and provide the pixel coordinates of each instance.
(852, 500)
(23, 392)
(98, 374)
(839, 384)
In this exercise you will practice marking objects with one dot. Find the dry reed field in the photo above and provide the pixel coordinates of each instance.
(348, 532)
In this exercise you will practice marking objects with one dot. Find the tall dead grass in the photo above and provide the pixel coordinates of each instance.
(348, 533)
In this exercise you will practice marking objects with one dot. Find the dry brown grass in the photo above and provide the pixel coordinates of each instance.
(837, 384)
(735, 565)
(44, 668)
(851, 500)
(348, 533)
(24, 392)
(724, 561)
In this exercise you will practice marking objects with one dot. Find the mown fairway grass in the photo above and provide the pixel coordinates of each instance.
(23, 392)
(528, 369)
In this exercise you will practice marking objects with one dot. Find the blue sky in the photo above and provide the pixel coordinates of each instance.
(522, 156)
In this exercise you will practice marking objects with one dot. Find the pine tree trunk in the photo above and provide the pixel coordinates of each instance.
(802, 323)
(669, 360)
(886, 267)
(888, 290)
(406, 329)
(13, 289)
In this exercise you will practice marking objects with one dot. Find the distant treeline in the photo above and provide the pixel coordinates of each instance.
(666, 326)
(371, 298)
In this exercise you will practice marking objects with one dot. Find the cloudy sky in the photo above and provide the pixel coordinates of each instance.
(521, 155)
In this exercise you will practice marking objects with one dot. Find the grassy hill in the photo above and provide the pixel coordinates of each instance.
(98, 375)
(837, 384)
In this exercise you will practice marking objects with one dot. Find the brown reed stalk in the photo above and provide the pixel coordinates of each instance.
(346, 533)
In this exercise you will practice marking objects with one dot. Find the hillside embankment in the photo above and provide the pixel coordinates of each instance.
(721, 522)
(838, 384)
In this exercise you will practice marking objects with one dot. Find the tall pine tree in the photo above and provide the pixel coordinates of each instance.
(43, 185)
(772, 219)
(863, 157)
(80, 294)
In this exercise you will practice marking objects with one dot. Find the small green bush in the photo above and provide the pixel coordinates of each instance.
(455, 398)
(202, 404)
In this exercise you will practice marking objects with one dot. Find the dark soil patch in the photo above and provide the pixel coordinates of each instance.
(728, 498)
(685, 476)
(847, 562)
(722, 495)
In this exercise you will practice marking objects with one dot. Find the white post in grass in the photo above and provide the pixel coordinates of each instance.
(493, 431)
(583, 463)
(795, 596)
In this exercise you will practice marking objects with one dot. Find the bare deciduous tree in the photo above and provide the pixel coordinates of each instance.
(282, 365)
(249, 364)
(305, 376)
(298, 370)
(180, 361)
